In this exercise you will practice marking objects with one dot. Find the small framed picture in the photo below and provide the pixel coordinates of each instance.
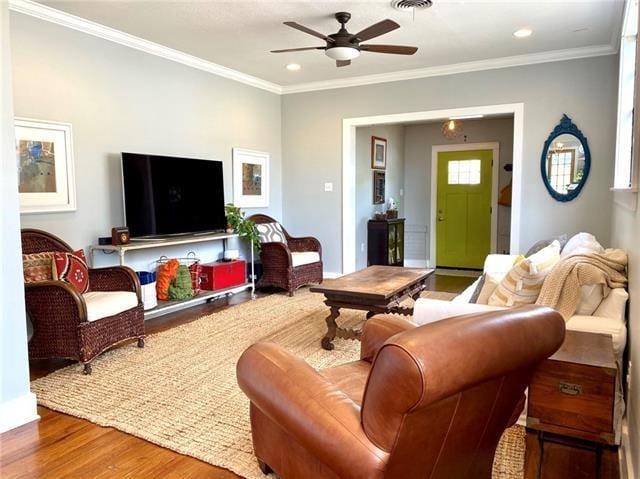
(378, 153)
(46, 180)
(250, 178)
(378, 187)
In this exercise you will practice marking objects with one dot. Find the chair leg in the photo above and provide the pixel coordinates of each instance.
(264, 467)
(141, 342)
(87, 368)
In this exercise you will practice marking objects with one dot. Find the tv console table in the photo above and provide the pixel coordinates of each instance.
(165, 307)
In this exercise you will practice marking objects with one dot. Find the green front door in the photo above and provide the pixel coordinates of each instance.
(463, 209)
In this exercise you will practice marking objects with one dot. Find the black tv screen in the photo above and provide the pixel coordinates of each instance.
(164, 195)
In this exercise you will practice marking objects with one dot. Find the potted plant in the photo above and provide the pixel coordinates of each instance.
(243, 227)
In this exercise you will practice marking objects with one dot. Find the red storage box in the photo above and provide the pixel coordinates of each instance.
(223, 274)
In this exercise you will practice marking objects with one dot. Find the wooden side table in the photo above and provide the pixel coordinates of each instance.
(571, 411)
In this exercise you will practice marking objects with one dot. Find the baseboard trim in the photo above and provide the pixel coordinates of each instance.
(17, 412)
(415, 263)
(327, 275)
(626, 458)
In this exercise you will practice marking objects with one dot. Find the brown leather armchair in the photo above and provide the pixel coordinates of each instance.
(431, 401)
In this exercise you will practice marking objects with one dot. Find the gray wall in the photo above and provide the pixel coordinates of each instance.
(119, 99)
(625, 231)
(394, 178)
(419, 139)
(584, 89)
(14, 366)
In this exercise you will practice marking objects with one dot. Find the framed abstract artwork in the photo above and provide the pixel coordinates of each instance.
(379, 180)
(378, 153)
(250, 178)
(44, 155)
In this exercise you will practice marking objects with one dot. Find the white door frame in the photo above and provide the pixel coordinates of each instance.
(495, 175)
(349, 166)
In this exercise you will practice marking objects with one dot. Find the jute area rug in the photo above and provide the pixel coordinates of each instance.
(180, 391)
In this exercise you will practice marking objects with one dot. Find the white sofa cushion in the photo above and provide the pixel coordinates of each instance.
(590, 298)
(428, 311)
(306, 257)
(101, 304)
(614, 305)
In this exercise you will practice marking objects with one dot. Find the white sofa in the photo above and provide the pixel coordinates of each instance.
(608, 318)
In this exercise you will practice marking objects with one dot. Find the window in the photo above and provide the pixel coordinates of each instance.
(560, 169)
(625, 174)
(464, 172)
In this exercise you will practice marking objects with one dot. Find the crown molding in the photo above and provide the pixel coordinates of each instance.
(43, 12)
(456, 68)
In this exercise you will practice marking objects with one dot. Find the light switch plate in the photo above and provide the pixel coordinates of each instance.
(328, 187)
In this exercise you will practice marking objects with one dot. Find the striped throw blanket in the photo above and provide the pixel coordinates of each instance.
(561, 288)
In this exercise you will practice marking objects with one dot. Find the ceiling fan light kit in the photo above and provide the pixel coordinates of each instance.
(344, 46)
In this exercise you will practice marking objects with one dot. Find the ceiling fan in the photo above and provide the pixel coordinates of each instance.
(344, 46)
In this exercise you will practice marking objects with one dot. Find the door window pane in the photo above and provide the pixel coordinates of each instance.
(464, 172)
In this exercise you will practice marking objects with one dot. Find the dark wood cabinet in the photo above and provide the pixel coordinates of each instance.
(571, 412)
(385, 242)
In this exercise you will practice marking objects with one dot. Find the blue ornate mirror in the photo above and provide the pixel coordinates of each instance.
(566, 161)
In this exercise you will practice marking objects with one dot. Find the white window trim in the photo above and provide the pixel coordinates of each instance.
(626, 195)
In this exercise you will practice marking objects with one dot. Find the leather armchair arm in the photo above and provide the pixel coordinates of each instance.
(275, 253)
(115, 278)
(54, 301)
(311, 409)
(377, 330)
(308, 243)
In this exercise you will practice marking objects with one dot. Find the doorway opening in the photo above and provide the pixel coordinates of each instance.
(500, 224)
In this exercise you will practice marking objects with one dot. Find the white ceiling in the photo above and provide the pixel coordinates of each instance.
(239, 34)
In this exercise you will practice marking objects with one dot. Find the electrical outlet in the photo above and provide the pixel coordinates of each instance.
(328, 187)
(401, 192)
(362, 247)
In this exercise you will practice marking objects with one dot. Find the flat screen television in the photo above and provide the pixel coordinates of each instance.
(164, 195)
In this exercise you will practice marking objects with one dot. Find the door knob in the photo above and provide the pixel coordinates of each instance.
(440, 218)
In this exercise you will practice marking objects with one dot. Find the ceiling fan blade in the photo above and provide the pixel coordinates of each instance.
(298, 49)
(304, 29)
(394, 49)
(343, 63)
(380, 28)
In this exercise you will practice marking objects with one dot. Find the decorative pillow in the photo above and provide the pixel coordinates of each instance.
(582, 243)
(523, 283)
(562, 239)
(476, 292)
(491, 282)
(71, 268)
(271, 233)
(37, 267)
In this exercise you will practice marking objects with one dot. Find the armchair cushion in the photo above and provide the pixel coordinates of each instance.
(102, 304)
(308, 257)
(37, 267)
(271, 233)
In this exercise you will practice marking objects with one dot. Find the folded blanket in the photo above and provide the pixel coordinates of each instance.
(561, 288)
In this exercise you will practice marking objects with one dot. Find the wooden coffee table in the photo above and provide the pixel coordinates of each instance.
(376, 289)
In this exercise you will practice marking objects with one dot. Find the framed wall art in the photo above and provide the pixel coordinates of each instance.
(378, 153)
(379, 179)
(46, 179)
(250, 178)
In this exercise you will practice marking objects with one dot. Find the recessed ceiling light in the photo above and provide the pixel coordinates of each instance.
(293, 67)
(523, 33)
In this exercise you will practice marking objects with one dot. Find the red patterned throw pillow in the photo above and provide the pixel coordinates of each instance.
(72, 268)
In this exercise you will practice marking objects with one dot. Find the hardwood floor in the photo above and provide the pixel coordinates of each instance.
(63, 446)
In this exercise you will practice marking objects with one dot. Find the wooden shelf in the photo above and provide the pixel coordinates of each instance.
(165, 307)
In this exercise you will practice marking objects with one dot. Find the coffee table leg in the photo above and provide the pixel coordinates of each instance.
(332, 326)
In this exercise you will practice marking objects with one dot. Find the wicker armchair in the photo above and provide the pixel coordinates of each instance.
(277, 263)
(59, 312)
